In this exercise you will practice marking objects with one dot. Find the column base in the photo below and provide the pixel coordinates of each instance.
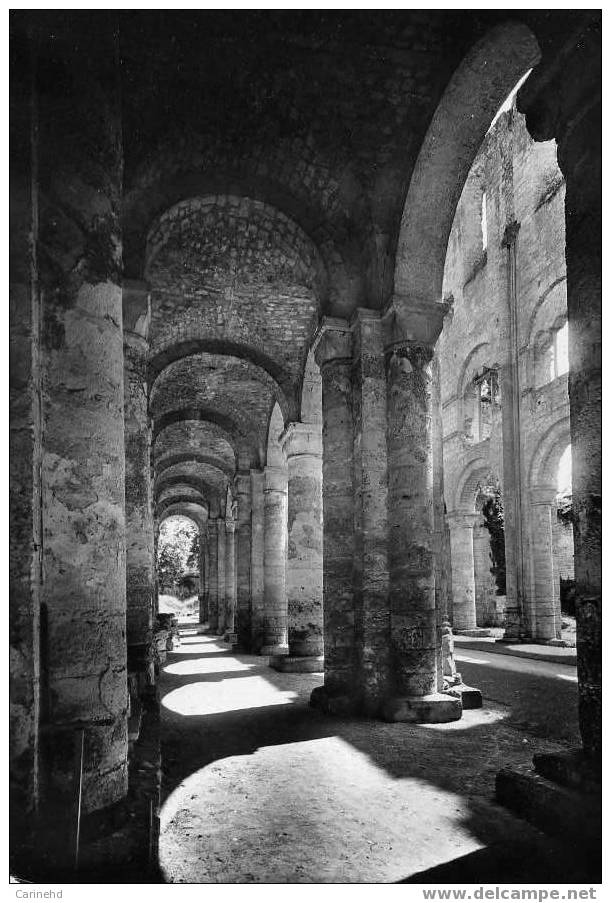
(270, 649)
(298, 664)
(230, 638)
(435, 708)
(472, 631)
(341, 704)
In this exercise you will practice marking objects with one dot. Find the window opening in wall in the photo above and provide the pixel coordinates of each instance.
(562, 350)
(559, 352)
(484, 222)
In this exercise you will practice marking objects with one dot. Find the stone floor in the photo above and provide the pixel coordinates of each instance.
(260, 788)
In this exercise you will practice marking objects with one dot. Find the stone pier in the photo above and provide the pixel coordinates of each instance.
(302, 444)
(414, 638)
(244, 552)
(334, 356)
(221, 557)
(271, 633)
(230, 580)
(257, 552)
(83, 596)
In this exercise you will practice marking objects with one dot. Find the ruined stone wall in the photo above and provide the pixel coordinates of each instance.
(522, 183)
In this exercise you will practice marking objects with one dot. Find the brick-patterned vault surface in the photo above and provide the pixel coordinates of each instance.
(232, 272)
(228, 389)
(197, 441)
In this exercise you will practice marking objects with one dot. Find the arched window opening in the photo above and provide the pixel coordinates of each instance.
(179, 567)
(560, 352)
(482, 405)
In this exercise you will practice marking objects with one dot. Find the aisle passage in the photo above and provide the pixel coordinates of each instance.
(258, 787)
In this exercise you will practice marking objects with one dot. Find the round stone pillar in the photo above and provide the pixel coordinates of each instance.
(83, 673)
(204, 574)
(341, 691)
(272, 628)
(414, 636)
(140, 539)
(221, 557)
(230, 581)
(243, 604)
(463, 571)
(257, 553)
(545, 615)
(213, 598)
(302, 444)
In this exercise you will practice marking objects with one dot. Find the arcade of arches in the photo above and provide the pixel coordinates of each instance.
(280, 275)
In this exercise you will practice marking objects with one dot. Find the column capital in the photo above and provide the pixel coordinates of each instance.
(333, 341)
(302, 439)
(409, 320)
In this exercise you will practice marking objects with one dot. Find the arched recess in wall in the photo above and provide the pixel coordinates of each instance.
(479, 86)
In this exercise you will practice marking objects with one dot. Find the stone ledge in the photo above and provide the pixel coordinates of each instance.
(552, 808)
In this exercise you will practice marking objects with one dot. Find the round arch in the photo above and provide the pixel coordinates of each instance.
(469, 483)
(479, 86)
(544, 463)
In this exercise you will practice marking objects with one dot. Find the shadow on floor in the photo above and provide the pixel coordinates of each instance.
(462, 759)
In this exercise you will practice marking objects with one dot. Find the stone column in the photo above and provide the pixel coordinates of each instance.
(461, 525)
(140, 540)
(257, 553)
(517, 624)
(580, 160)
(230, 581)
(302, 445)
(204, 573)
(243, 609)
(213, 576)
(272, 629)
(83, 601)
(221, 558)
(25, 448)
(370, 568)
(546, 624)
(333, 351)
(414, 636)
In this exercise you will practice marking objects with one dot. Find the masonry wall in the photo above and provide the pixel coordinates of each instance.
(523, 185)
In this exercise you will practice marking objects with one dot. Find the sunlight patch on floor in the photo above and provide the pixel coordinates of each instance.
(215, 697)
(310, 811)
(207, 666)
